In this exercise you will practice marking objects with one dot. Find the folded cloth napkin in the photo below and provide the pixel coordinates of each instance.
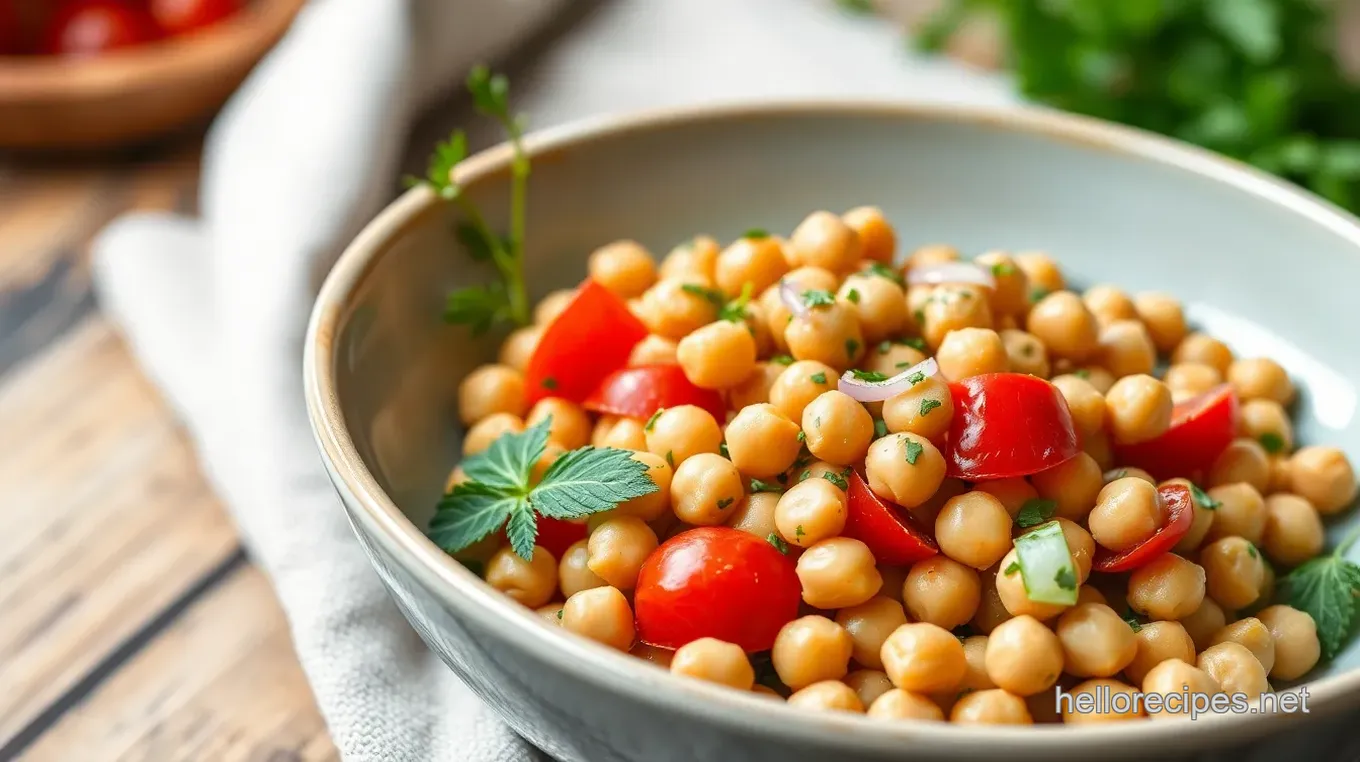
(215, 307)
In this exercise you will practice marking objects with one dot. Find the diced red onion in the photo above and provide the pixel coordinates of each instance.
(877, 391)
(950, 272)
(788, 293)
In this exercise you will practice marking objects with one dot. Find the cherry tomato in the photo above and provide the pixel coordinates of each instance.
(1201, 428)
(889, 532)
(557, 535)
(181, 16)
(11, 40)
(86, 28)
(715, 582)
(1180, 515)
(640, 392)
(590, 339)
(1006, 425)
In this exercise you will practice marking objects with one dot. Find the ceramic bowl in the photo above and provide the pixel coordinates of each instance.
(1266, 267)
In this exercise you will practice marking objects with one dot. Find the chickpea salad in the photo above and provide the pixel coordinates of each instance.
(929, 486)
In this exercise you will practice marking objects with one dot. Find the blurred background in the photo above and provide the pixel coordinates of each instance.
(132, 625)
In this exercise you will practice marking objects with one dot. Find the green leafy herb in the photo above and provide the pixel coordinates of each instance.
(914, 451)
(798, 531)
(802, 435)
(818, 377)
(815, 298)
(883, 271)
(504, 299)
(1251, 550)
(735, 310)
(559, 615)
(670, 458)
(807, 472)
(916, 378)
(916, 342)
(762, 486)
(880, 428)
(778, 543)
(756, 233)
(549, 383)
(1037, 294)
(723, 503)
(723, 451)
(1272, 442)
(853, 296)
(651, 422)
(1132, 620)
(1046, 565)
(1205, 501)
(851, 348)
(1082, 373)
(781, 360)
(869, 375)
(928, 404)
(836, 479)
(1003, 269)
(711, 295)
(1326, 588)
(1034, 512)
(498, 491)
(858, 7)
(1011, 568)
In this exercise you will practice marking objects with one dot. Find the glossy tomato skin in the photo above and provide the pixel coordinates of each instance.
(86, 28)
(557, 535)
(590, 339)
(183, 16)
(1180, 515)
(890, 533)
(11, 37)
(1202, 427)
(640, 392)
(715, 582)
(1006, 425)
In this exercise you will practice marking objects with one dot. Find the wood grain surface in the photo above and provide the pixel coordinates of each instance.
(132, 627)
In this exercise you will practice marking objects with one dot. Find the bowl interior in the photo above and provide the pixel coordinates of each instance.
(1260, 266)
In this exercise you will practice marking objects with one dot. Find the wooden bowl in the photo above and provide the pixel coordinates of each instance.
(134, 95)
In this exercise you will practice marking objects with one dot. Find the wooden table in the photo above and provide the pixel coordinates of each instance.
(132, 626)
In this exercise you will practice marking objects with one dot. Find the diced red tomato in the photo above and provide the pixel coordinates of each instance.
(640, 392)
(181, 16)
(1180, 514)
(590, 339)
(715, 582)
(85, 28)
(557, 535)
(890, 533)
(1006, 425)
(1201, 428)
(11, 39)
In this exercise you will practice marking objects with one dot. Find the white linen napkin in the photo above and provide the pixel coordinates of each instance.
(215, 308)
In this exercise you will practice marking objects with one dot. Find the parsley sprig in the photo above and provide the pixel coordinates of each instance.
(505, 299)
(499, 491)
(1326, 588)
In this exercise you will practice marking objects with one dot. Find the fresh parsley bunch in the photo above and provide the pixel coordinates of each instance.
(1257, 80)
(500, 491)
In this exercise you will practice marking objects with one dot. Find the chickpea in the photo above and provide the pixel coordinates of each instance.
(1158, 642)
(907, 481)
(932, 254)
(894, 577)
(925, 409)
(880, 303)
(1107, 708)
(1233, 571)
(1128, 472)
(838, 428)
(971, 352)
(820, 469)
(942, 592)
(762, 442)
(1126, 349)
(490, 389)
(898, 704)
(1251, 634)
(974, 528)
(1025, 353)
(827, 695)
(878, 241)
(1074, 485)
(1170, 680)
(1079, 543)
(1296, 642)
(677, 433)
(827, 333)
(625, 434)
(1203, 348)
(824, 240)
(1013, 492)
(1260, 378)
(800, 384)
(551, 613)
(1097, 376)
(891, 358)
(715, 661)
(755, 514)
(771, 301)
(990, 707)
(1138, 408)
(1096, 641)
(991, 612)
(838, 573)
(811, 649)
(758, 261)
(696, 257)
(1241, 513)
(1234, 668)
(1267, 585)
(1244, 460)
(717, 356)
(809, 512)
(1128, 511)
(618, 547)
(1109, 303)
(869, 624)
(1293, 531)
(1011, 295)
(868, 684)
(519, 346)
(1084, 401)
(1023, 656)
(654, 350)
(552, 305)
(1041, 270)
(601, 614)
(1324, 477)
(1281, 475)
(924, 658)
(1204, 621)
(952, 307)
(573, 571)
(1168, 587)
(569, 423)
(949, 489)
(1192, 378)
(1011, 589)
(623, 267)
(675, 307)
(1266, 422)
(651, 506)
(1063, 323)
(1100, 449)
(755, 388)
(704, 488)
(488, 430)
(1163, 317)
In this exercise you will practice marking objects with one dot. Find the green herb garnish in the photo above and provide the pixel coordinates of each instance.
(857, 7)
(724, 502)
(756, 233)
(711, 295)
(1082, 373)
(549, 383)
(1200, 496)
(818, 378)
(782, 360)
(869, 375)
(498, 492)
(778, 543)
(762, 486)
(836, 479)
(851, 348)
(916, 378)
(815, 298)
(880, 428)
(1326, 589)
(1046, 565)
(852, 296)
(1003, 269)
(735, 310)
(798, 531)
(883, 271)
(914, 450)
(1034, 512)
(928, 404)
(1011, 568)
(802, 435)
(1132, 620)
(651, 422)
(1272, 442)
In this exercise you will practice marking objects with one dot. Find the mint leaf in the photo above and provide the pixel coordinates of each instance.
(590, 480)
(522, 531)
(1326, 589)
(508, 462)
(1034, 512)
(470, 513)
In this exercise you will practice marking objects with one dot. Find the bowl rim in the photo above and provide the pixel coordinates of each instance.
(616, 672)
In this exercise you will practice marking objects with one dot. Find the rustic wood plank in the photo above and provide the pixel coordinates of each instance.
(107, 518)
(202, 691)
